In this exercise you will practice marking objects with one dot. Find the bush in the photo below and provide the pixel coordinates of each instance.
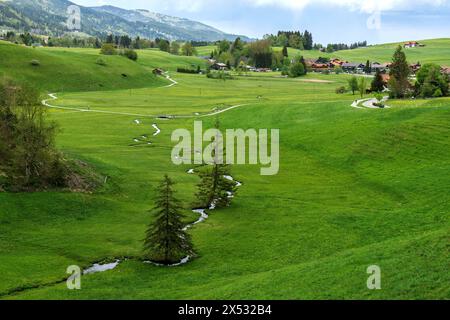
(297, 70)
(100, 62)
(285, 71)
(108, 49)
(437, 93)
(190, 71)
(341, 90)
(130, 54)
(35, 63)
(222, 75)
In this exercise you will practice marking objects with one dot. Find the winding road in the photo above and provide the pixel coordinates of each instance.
(53, 97)
(369, 103)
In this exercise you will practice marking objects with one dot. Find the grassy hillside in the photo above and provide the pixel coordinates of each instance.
(355, 188)
(436, 51)
(63, 69)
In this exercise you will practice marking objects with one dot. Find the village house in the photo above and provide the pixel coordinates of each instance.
(413, 44)
(219, 66)
(336, 63)
(320, 66)
(353, 67)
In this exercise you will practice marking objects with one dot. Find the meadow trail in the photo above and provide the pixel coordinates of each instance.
(369, 103)
(53, 97)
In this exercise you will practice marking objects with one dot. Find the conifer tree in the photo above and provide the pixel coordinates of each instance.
(377, 83)
(166, 242)
(215, 187)
(368, 68)
(285, 51)
(399, 83)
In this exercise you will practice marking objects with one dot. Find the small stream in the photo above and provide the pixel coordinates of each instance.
(203, 215)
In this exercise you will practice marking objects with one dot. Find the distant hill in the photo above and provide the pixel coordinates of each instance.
(435, 51)
(49, 17)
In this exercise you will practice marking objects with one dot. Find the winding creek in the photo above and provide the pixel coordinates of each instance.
(203, 215)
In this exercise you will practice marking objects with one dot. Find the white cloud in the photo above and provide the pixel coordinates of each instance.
(367, 6)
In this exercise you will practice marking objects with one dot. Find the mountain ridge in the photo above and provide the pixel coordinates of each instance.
(48, 17)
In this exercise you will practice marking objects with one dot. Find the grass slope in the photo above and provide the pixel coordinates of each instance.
(355, 188)
(64, 69)
(436, 51)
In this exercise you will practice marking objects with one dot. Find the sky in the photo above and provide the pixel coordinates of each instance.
(330, 21)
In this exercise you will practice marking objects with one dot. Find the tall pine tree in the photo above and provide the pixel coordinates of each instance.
(377, 83)
(399, 83)
(285, 52)
(215, 187)
(165, 240)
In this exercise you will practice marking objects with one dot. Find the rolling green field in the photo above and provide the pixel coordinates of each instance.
(356, 187)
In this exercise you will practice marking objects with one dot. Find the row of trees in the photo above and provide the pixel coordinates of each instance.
(293, 39)
(109, 49)
(176, 48)
(166, 239)
(332, 47)
(259, 54)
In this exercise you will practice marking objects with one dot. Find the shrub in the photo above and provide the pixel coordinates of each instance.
(35, 63)
(431, 82)
(379, 97)
(222, 75)
(191, 71)
(130, 54)
(100, 62)
(108, 49)
(297, 70)
(341, 90)
(437, 93)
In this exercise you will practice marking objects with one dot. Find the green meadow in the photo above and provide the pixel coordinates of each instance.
(356, 187)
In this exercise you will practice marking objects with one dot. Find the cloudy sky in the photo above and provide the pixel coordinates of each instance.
(377, 21)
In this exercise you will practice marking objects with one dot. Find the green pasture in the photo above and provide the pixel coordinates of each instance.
(356, 187)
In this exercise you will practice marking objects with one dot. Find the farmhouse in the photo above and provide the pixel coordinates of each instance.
(336, 63)
(320, 66)
(353, 67)
(378, 67)
(413, 44)
(158, 71)
(219, 66)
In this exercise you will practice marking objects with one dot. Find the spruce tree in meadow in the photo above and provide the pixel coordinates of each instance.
(215, 186)
(399, 83)
(368, 68)
(377, 83)
(166, 242)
